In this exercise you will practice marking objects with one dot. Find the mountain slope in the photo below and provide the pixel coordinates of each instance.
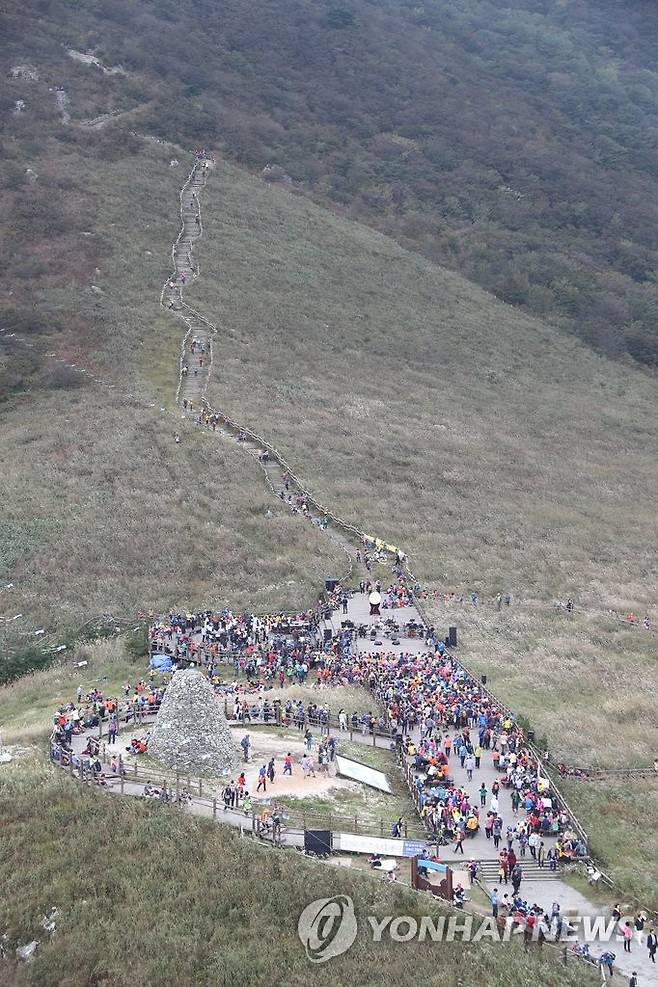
(510, 140)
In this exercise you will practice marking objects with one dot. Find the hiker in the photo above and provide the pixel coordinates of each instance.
(640, 921)
(287, 764)
(245, 743)
(483, 794)
(270, 770)
(627, 933)
(652, 944)
(262, 779)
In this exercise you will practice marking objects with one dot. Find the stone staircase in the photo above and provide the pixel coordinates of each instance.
(196, 351)
(531, 872)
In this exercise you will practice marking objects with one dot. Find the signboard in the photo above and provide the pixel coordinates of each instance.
(347, 768)
(412, 848)
(351, 843)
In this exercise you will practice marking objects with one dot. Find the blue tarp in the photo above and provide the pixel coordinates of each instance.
(161, 663)
(432, 865)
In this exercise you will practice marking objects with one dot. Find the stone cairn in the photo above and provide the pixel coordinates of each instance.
(190, 732)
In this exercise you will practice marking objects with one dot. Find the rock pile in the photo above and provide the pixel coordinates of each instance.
(191, 732)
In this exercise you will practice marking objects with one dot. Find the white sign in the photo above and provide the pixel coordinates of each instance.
(349, 843)
(361, 772)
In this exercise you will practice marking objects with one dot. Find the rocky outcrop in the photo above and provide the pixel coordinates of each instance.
(191, 732)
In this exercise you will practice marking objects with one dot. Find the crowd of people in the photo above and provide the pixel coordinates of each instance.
(246, 640)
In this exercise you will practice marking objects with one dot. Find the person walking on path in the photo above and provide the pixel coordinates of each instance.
(627, 932)
(652, 944)
(262, 779)
(494, 902)
(287, 764)
(633, 982)
(459, 845)
(483, 794)
(640, 921)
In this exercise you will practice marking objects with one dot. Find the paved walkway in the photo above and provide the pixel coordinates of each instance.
(541, 887)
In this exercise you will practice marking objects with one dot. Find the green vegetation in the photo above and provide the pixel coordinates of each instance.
(174, 899)
(27, 706)
(510, 140)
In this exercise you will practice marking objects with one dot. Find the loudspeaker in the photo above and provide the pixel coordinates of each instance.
(318, 841)
(452, 637)
(327, 633)
(331, 584)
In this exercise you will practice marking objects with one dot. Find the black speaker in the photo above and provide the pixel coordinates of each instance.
(331, 584)
(452, 637)
(327, 633)
(318, 841)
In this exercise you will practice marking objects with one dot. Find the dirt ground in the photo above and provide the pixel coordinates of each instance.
(266, 745)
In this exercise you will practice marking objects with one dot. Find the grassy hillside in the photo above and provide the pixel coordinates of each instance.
(177, 900)
(585, 682)
(621, 821)
(102, 510)
(510, 140)
(501, 452)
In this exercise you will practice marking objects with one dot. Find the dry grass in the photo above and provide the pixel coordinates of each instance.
(499, 452)
(27, 705)
(621, 823)
(586, 683)
(348, 697)
(105, 512)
